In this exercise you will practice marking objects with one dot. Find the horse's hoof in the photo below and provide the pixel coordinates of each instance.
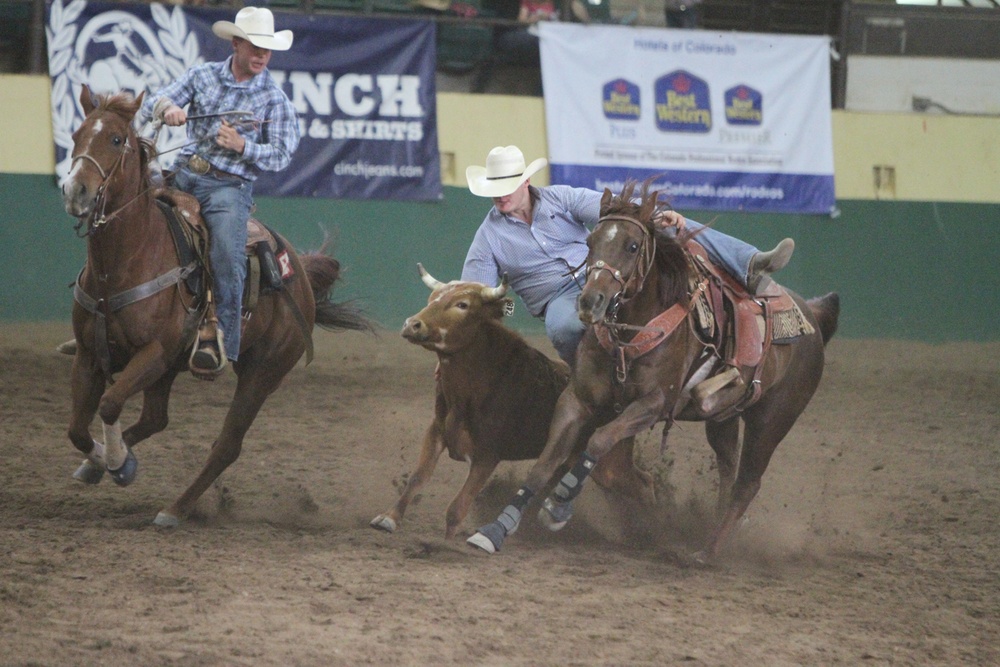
(165, 520)
(383, 522)
(702, 558)
(554, 515)
(88, 473)
(126, 474)
(489, 538)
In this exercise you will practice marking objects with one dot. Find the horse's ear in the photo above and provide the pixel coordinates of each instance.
(137, 104)
(605, 200)
(86, 100)
(648, 207)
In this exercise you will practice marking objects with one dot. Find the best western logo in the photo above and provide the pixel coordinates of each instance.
(744, 106)
(682, 103)
(620, 100)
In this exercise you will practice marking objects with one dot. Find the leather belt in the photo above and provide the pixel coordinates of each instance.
(199, 165)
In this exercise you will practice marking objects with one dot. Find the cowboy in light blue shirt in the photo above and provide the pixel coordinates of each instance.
(220, 169)
(538, 237)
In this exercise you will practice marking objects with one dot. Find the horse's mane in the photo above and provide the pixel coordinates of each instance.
(671, 259)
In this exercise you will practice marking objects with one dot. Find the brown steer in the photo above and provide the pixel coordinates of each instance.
(495, 396)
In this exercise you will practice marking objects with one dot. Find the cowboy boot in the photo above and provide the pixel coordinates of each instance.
(765, 263)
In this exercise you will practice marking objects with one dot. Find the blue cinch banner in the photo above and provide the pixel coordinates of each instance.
(723, 121)
(363, 88)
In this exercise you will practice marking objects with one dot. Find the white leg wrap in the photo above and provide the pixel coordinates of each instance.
(114, 447)
(96, 455)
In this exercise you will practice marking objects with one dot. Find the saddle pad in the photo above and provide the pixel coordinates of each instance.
(789, 324)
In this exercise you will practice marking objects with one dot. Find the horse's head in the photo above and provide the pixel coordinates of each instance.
(105, 152)
(623, 247)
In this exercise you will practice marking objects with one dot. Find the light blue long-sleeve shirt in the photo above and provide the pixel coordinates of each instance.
(539, 258)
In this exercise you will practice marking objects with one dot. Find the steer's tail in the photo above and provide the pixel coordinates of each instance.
(827, 311)
(323, 272)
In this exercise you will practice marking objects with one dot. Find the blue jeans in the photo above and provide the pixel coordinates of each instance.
(225, 206)
(562, 323)
(730, 253)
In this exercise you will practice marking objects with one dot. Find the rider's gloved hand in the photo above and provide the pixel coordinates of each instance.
(165, 111)
(665, 219)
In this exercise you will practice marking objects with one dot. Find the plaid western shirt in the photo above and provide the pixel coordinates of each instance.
(211, 88)
(539, 258)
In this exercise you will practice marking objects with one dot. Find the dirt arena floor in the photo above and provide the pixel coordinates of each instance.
(874, 540)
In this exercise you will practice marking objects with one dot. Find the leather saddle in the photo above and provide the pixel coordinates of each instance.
(267, 259)
(741, 327)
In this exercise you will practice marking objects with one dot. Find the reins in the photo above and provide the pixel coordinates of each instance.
(97, 216)
(642, 267)
(647, 337)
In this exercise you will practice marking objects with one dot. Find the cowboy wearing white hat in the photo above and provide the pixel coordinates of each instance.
(503, 174)
(224, 156)
(538, 238)
(256, 25)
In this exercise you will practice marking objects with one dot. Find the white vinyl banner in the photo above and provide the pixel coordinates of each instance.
(723, 121)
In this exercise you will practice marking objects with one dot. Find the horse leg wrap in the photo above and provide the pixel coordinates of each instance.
(510, 518)
(571, 484)
(115, 451)
(557, 509)
(491, 536)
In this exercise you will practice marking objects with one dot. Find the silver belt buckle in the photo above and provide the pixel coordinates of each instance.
(198, 164)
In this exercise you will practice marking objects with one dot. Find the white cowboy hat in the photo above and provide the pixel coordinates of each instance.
(256, 25)
(504, 172)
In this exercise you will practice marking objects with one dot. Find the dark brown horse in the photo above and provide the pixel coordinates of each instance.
(634, 275)
(135, 317)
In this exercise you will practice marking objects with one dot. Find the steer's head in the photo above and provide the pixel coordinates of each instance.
(454, 313)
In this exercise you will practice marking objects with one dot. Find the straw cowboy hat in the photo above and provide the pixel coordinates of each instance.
(504, 172)
(256, 25)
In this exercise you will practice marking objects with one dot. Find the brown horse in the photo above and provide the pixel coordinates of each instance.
(135, 316)
(634, 275)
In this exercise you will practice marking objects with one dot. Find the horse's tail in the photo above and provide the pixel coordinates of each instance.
(827, 311)
(323, 271)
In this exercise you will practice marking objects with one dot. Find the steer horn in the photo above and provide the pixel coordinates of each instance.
(498, 292)
(428, 279)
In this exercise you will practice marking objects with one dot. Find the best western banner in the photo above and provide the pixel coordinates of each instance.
(725, 121)
(363, 89)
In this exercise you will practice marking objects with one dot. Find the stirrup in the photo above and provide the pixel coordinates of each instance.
(208, 357)
(709, 397)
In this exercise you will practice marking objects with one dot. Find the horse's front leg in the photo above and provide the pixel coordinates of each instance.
(154, 416)
(86, 386)
(636, 417)
(145, 368)
(569, 421)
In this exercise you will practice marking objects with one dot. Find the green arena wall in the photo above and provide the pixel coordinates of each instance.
(915, 261)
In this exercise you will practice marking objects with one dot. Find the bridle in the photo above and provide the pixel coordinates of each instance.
(646, 338)
(97, 216)
(643, 264)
